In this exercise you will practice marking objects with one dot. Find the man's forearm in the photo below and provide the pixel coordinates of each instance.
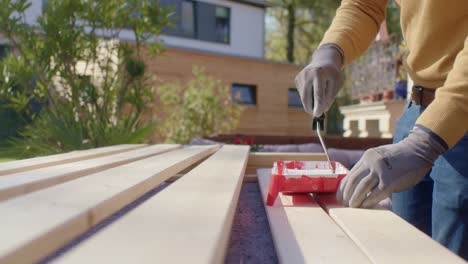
(355, 26)
(447, 115)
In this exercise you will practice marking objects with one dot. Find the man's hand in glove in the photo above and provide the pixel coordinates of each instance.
(323, 78)
(391, 168)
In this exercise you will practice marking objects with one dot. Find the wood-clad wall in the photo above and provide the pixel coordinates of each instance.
(271, 115)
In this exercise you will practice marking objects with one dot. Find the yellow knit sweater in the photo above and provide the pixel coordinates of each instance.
(436, 32)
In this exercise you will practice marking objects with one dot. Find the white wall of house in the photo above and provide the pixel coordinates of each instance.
(373, 120)
(247, 32)
(33, 12)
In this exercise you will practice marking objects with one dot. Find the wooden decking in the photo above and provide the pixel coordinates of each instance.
(56, 199)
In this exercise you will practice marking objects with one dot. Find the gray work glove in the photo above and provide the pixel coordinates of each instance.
(390, 168)
(323, 77)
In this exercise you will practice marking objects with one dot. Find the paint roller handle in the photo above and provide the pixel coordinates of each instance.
(320, 120)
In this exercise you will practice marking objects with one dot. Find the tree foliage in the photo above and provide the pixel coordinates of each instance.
(70, 62)
(201, 107)
(296, 42)
(295, 39)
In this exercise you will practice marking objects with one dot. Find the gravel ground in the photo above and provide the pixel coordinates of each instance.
(250, 241)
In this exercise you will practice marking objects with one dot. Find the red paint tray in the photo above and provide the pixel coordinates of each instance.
(304, 177)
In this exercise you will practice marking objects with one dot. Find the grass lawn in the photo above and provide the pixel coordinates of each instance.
(4, 157)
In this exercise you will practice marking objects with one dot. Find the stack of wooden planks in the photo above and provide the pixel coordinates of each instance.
(47, 202)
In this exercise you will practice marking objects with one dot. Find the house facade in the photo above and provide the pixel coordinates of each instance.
(226, 37)
(219, 26)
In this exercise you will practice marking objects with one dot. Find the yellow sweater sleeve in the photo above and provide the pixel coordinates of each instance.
(355, 26)
(447, 115)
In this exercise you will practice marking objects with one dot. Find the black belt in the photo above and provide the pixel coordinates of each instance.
(422, 96)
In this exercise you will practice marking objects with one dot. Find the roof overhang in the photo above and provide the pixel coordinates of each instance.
(257, 3)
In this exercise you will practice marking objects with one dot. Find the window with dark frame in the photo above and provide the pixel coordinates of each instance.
(44, 4)
(4, 50)
(196, 19)
(244, 94)
(199, 20)
(294, 98)
(188, 18)
(222, 15)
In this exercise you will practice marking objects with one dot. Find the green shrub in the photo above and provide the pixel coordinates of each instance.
(52, 132)
(201, 107)
(92, 89)
(56, 132)
(20, 97)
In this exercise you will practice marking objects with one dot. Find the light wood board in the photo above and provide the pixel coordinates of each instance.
(41, 162)
(386, 238)
(329, 201)
(259, 160)
(36, 224)
(303, 232)
(247, 177)
(24, 182)
(188, 222)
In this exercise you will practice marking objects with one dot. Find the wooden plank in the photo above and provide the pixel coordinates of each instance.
(21, 183)
(259, 160)
(386, 238)
(36, 224)
(188, 222)
(47, 161)
(247, 177)
(329, 201)
(266, 159)
(250, 177)
(303, 232)
(252, 170)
